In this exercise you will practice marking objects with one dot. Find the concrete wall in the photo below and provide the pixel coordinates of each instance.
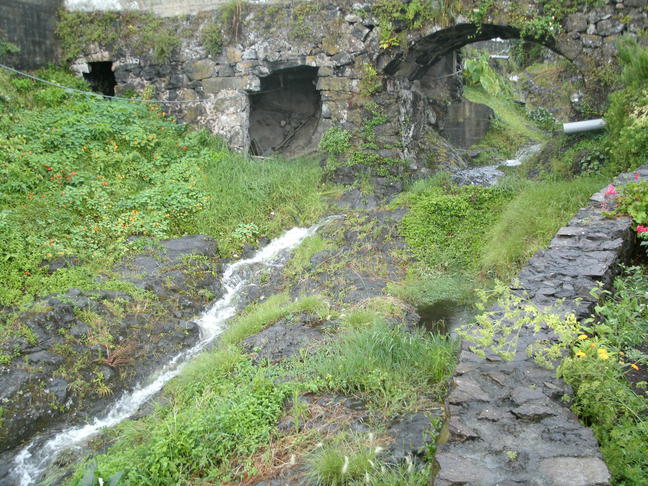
(30, 25)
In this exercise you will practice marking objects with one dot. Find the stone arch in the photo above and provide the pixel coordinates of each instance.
(433, 47)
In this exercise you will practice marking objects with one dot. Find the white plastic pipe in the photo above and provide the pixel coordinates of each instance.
(584, 126)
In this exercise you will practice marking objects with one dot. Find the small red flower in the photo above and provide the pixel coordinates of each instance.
(610, 190)
(636, 176)
(642, 229)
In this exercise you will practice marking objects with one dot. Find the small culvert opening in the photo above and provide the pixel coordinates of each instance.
(285, 114)
(101, 77)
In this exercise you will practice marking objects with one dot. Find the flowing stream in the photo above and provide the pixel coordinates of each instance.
(32, 461)
(489, 175)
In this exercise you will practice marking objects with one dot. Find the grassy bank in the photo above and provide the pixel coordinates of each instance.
(218, 422)
(79, 177)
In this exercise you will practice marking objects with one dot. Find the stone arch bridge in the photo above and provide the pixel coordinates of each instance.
(294, 69)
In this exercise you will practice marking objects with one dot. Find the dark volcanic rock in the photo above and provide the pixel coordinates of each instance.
(508, 421)
(285, 338)
(80, 335)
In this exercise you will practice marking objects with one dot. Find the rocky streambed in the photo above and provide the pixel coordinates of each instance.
(81, 349)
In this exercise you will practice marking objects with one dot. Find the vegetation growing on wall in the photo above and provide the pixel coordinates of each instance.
(143, 34)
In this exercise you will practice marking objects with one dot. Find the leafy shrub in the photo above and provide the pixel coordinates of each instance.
(477, 72)
(627, 115)
(596, 370)
(336, 141)
(446, 229)
(212, 39)
(543, 118)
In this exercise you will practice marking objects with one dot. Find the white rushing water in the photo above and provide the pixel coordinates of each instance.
(489, 175)
(33, 460)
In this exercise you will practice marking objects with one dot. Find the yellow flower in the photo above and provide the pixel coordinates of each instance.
(592, 345)
(579, 354)
(601, 351)
(583, 337)
(634, 367)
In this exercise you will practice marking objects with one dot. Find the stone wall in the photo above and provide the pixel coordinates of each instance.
(30, 24)
(165, 8)
(508, 423)
(341, 41)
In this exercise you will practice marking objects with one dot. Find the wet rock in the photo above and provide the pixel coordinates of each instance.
(575, 471)
(533, 412)
(354, 199)
(479, 176)
(284, 339)
(179, 271)
(412, 436)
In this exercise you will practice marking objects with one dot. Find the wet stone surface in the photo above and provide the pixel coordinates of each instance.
(86, 346)
(508, 423)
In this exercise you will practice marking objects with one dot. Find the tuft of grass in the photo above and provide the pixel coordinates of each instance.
(300, 262)
(339, 464)
(258, 316)
(392, 366)
(424, 287)
(530, 220)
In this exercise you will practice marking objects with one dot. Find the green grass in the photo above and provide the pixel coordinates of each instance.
(391, 366)
(257, 316)
(530, 220)
(220, 411)
(510, 131)
(424, 286)
(79, 177)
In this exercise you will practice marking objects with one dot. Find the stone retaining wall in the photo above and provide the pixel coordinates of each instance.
(410, 84)
(508, 423)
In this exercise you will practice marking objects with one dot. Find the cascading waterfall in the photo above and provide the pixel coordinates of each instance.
(32, 461)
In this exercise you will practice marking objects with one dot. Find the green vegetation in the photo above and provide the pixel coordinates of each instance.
(143, 33)
(414, 15)
(80, 176)
(445, 228)
(221, 411)
(390, 366)
(603, 359)
(258, 316)
(529, 221)
(510, 130)
(212, 38)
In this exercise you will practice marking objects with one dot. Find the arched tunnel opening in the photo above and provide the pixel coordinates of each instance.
(435, 64)
(101, 77)
(285, 114)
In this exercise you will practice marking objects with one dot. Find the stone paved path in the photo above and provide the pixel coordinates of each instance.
(507, 423)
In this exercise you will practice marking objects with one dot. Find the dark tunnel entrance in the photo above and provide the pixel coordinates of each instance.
(101, 77)
(284, 116)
